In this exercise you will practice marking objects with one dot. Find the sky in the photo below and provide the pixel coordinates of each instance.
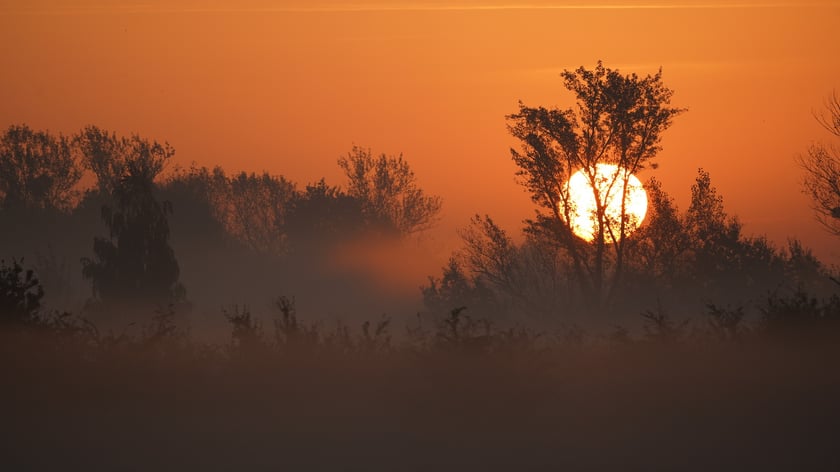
(290, 86)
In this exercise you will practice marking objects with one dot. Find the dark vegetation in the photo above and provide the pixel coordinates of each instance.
(685, 344)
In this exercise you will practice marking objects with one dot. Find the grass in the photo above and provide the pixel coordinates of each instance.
(453, 395)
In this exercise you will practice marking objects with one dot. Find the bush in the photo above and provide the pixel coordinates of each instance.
(20, 296)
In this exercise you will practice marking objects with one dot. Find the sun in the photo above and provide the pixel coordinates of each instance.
(610, 181)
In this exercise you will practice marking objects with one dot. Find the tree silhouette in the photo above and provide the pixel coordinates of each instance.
(490, 253)
(722, 258)
(106, 155)
(660, 246)
(822, 170)
(705, 252)
(135, 264)
(37, 170)
(454, 288)
(619, 120)
(199, 221)
(254, 208)
(494, 276)
(676, 261)
(387, 188)
(322, 214)
(715, 237)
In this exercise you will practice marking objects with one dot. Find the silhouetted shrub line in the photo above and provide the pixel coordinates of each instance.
(797, 318)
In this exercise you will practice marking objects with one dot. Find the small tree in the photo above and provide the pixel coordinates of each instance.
(715, 238)
(659, 247)
(494, 276)
(822, 170)
(619, 120)
(388, 190)
(37, 170)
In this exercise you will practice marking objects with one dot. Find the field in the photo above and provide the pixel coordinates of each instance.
(508, 401)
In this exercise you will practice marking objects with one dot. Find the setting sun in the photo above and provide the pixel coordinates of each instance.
(610, 180)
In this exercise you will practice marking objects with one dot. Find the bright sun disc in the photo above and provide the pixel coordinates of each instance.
(582, 208)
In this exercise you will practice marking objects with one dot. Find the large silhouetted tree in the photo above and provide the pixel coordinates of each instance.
(135, 264)
(619, 120)
(822, 170)
(37, 170)
(388, 191)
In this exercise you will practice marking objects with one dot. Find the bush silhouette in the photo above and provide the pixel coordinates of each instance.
(20, 296)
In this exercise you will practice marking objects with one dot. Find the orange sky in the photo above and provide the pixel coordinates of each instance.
(289, 86)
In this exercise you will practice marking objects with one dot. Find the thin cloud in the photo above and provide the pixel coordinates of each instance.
(415, 7)
(514, 7)
(645, 66)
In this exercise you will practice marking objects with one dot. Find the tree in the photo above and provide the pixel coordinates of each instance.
(715, 239)
(388, 190)
(254, 208)
(676, 261)
(660, 246)
(322, 215)
(493, 275)
(730, 267)
(37, 170)
(822, 170)
(196, 193)
(454, 288)
(491, 255)
(619, 120)
(105, 155)
(135, 264)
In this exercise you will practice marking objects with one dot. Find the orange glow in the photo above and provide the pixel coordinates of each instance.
(289, 86)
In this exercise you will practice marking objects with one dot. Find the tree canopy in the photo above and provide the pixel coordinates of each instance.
(822, 170)
(38, 170)
(388, 191)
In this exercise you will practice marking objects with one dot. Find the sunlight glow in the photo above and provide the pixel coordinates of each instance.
(610, 182)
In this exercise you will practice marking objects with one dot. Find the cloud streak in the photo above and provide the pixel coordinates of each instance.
(537, 7)
(411, 7)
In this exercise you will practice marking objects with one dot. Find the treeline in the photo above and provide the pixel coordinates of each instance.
(105, 219)
(678, 263)
(797, 320)
(56, 192)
